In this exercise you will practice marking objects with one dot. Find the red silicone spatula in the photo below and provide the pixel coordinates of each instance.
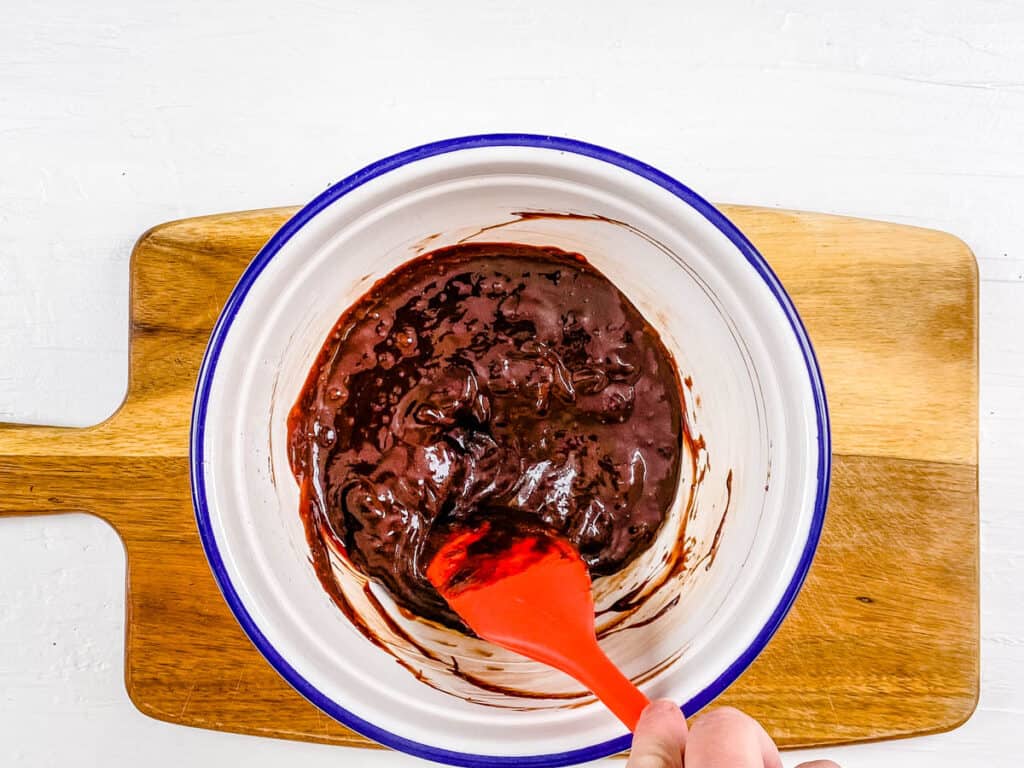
(527, 590)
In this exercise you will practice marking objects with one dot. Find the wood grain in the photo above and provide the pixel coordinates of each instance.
(883, 640)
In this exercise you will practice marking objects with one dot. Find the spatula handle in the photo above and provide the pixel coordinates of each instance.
(596, 671)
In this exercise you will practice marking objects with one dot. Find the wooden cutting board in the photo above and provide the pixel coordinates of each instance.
(883, 639)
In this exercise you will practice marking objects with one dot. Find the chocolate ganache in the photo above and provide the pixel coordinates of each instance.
(486, 380)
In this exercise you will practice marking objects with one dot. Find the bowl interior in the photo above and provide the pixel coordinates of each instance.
(745, 510)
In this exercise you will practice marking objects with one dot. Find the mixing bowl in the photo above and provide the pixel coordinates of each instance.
(686, 617)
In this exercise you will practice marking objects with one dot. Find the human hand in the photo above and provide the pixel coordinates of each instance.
(722, 738)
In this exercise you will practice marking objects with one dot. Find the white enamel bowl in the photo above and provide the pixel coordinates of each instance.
(756, 398)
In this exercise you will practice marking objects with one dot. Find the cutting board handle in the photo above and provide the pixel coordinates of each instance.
(51, 470)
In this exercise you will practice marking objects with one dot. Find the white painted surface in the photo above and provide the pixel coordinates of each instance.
(117, 115)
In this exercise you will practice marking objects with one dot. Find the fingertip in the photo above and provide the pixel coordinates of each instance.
(665, 712)
(662, 707)
(728, 736)
(660, 737)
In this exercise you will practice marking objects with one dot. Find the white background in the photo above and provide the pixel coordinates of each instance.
(118, 115)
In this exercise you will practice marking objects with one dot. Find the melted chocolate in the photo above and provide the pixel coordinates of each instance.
(480, 378)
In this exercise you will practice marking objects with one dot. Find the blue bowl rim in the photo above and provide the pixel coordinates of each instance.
(357, 179)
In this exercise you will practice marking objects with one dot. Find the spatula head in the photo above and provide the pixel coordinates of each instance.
(521, 587)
